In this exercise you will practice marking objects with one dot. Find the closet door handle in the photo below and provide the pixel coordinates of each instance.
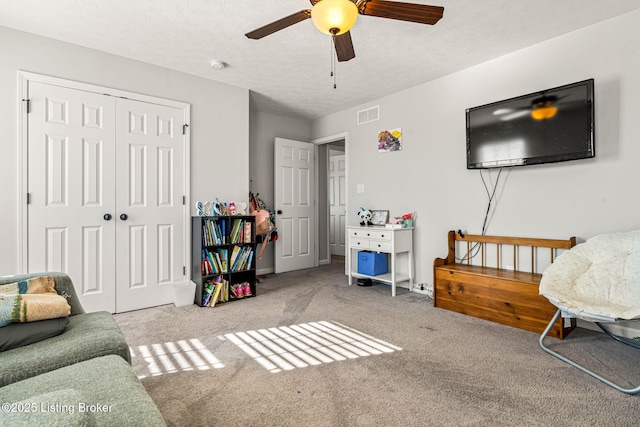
(107, 217)
(279, 212)
(124, 217)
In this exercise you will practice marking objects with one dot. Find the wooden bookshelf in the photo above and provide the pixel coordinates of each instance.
(212, 237)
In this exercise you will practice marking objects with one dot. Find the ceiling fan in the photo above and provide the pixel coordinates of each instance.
(336, 17)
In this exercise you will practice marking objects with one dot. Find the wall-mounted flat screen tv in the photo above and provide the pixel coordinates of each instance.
(552, 125)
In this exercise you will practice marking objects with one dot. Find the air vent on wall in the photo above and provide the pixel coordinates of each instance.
(369, 115)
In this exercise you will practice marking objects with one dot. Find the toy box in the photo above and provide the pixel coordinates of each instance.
(371, 263)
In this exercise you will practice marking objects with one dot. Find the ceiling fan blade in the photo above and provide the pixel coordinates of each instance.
(280, 24)
(344, 47)
(420, 13)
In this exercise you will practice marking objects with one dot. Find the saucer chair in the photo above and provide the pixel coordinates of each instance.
(597, 281)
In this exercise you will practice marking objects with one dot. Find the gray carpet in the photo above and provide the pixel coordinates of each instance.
(310, 350)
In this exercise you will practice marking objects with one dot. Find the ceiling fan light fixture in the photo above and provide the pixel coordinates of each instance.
(329, 15)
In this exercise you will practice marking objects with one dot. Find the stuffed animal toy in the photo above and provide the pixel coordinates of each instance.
(365, 216)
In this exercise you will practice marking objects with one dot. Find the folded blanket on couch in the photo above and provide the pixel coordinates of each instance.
(35, 285)
(31, 300)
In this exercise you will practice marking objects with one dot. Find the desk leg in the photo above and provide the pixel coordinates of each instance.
(349, 264)
(393, 274)
(410, 270)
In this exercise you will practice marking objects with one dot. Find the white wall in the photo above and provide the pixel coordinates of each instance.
(264, 128)
(219, 118)
(429, 176)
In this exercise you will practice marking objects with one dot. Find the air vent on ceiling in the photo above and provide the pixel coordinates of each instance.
(369, 115)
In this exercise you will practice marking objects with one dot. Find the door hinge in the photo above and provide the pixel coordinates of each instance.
(184, 200)
(28, 198)
(184, 270)
(28, 101)
(184, 129)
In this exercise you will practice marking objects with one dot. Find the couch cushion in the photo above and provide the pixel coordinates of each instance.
(87, 336)
(56, 408)
(112, 392)
(20, 334)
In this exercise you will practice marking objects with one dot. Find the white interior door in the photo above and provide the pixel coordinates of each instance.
(149, 203)
(71, 152)
(337, 206)
(294, 167)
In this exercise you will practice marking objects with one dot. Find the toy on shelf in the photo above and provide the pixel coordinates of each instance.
(405, 220)
(365, 216)
(219, 208)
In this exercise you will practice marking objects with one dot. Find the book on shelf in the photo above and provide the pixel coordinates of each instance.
(223, 231)
(208, 292)
(213, 232)
(247, 231)
(218, 261)
(241, 231)
(216, 294)
(206, 266)
(223, 253)
(249, 260)
(216, 290)
(234, 257)
(233, 236)
(241, 258)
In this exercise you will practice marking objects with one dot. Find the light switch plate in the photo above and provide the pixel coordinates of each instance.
(360, 188)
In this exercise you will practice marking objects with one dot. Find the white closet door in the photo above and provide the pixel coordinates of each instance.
(149, 209)
(71, 149)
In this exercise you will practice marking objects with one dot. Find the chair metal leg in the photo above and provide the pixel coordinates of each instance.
(574, 364)
(623, 340)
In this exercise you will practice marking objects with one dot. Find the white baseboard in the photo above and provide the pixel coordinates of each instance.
(265, 271)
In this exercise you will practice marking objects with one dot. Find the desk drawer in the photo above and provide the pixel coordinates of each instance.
(380, 246)
(367, 233)
(381, 235)
(359, 243)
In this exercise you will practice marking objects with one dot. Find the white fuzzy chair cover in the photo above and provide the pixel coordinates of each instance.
(598, 280)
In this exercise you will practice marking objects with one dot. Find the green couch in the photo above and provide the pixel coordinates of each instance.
(80, 377)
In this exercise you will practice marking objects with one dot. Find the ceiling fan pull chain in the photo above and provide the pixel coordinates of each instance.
(333, 59)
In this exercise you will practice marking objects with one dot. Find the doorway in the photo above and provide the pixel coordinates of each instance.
(331, 228)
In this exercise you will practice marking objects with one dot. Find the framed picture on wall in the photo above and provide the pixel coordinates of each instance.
(379, 217)
(390, 140)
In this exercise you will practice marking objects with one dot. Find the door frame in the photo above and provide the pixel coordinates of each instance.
(24, 77)
(316, 142)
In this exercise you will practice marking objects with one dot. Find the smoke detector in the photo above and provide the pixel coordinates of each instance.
(216, 64)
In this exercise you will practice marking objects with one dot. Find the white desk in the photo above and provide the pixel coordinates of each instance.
(380, 239)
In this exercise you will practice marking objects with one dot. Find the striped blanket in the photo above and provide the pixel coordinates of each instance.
(31, 300)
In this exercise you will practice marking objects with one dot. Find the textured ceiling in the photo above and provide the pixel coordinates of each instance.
(288, 72)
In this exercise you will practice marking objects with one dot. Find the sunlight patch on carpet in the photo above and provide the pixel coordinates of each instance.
(177, 356)
(307, 344)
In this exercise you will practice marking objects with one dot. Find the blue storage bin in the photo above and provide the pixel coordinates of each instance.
(371, 263)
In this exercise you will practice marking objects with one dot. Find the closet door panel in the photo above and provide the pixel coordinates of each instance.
(71, 153)
(149, 182)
